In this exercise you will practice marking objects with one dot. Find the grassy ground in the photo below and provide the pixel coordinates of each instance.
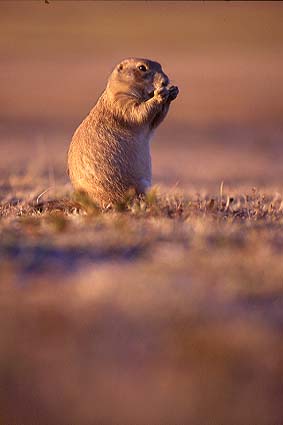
(144, 314)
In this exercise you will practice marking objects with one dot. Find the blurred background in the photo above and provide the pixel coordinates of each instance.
(226, 58)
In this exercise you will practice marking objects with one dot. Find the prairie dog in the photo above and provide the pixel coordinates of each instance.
(110, 153)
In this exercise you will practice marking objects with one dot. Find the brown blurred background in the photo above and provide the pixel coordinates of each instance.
(226, 58)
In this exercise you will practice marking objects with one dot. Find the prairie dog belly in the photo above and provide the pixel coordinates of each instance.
(142, 164)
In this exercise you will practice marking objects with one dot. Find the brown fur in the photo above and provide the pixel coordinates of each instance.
(109, 153)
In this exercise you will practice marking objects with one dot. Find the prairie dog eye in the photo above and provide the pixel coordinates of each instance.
(142, 68)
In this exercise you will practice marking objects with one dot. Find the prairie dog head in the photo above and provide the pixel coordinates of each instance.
(138, 76)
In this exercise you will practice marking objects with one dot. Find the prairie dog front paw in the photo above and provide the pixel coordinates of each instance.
(161, 94)
(173, 92)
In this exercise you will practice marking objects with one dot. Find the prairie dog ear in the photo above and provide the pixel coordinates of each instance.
(120, 67)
